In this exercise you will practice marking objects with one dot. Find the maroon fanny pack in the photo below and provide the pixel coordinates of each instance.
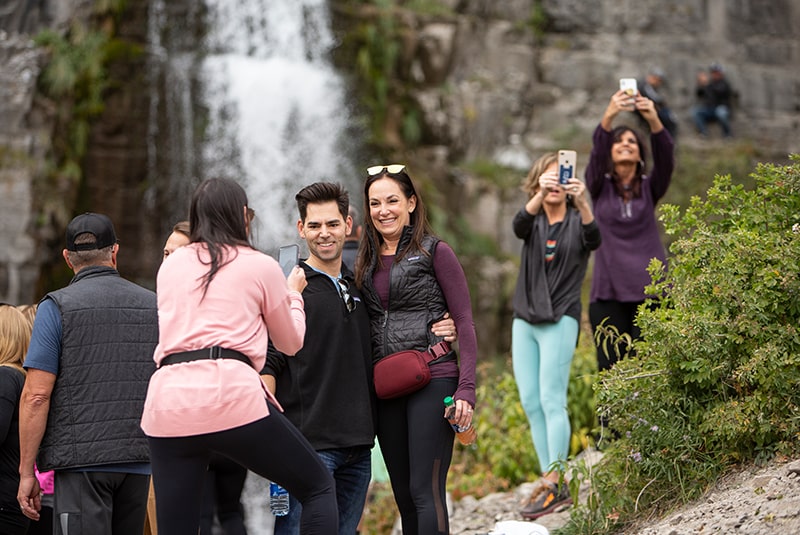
(407, 371)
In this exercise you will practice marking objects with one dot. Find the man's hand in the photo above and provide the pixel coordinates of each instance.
(445, 328)
(34, 404)
(29, 496)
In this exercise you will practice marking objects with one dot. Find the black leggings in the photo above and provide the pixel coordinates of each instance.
(417, 445)
(271, 447)
(224, 483)
(620, 315)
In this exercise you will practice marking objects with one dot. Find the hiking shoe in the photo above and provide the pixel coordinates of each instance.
(546, 499)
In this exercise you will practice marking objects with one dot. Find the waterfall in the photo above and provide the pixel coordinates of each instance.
(277, 109)
(245, 90)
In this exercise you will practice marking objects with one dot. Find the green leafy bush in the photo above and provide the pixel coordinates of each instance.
(714, 380)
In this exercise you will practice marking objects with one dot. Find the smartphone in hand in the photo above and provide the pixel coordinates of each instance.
(288, 257)
(566, 165)
(629, 86)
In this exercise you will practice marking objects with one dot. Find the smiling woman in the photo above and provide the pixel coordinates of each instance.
(410, 279)
(624, 198)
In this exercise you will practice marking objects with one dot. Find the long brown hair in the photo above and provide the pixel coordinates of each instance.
(370, 244)
(635, 188)
(217, 219)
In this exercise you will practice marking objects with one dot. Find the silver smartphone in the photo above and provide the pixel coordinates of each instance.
(288, 257)
(629, 86)
(566, 165)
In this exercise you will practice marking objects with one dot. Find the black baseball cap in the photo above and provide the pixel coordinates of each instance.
(98, 225)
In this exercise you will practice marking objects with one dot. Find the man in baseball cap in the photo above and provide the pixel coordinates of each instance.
(97, 225)
(89, 363)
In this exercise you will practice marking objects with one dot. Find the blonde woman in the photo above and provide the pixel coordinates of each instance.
(15, 335)
(558, 232)
(44, 526)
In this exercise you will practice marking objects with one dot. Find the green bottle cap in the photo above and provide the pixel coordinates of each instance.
(448, 401)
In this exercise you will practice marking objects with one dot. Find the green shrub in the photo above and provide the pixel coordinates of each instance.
(714, 380)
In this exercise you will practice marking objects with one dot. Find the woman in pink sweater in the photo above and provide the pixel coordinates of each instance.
(219, 302)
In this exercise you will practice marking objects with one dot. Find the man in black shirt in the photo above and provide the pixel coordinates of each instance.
(714, 94)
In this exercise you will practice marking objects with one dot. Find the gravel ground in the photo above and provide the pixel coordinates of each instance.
(753, 501)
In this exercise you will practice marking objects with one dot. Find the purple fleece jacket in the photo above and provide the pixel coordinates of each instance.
(630, 234)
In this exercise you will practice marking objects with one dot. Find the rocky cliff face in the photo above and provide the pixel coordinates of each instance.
(26, 123)
(23, 145)
(493, 84)
(116, 168)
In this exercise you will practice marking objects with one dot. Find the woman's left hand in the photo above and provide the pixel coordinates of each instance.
(645, 106)
(463, 413)
(575, 187)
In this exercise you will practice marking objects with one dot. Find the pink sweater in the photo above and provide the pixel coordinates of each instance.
(246, 304)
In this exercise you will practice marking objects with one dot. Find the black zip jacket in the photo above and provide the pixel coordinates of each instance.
(326, 389)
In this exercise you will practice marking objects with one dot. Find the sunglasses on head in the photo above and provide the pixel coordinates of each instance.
(392, 169)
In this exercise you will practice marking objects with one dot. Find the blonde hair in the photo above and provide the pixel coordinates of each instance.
(15, 335)
(530, 184)
(29, 311)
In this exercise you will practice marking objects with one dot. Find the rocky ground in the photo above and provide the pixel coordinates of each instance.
(753, 501)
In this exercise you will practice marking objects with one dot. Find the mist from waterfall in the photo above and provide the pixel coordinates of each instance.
(277, 111)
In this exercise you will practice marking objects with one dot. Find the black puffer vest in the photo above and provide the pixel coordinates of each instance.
(109, 332)
(416, 302)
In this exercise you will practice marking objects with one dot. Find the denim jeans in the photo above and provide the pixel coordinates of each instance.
(351, 469)
(705, 114)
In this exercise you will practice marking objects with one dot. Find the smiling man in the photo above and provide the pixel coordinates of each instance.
(326, 388)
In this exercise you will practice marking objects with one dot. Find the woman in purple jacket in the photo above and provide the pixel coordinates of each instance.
(624, 199)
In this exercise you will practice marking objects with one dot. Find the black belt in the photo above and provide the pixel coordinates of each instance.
(212, 353)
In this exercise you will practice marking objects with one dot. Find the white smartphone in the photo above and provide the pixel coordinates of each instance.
(629, 86)
(566, 165)
(288, 257)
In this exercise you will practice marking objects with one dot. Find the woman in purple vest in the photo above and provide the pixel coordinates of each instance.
(624, 196)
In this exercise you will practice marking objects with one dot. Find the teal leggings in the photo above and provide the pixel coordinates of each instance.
(542, 355)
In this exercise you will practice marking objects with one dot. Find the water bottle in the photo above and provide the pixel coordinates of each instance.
(278, 500)
(466, 435)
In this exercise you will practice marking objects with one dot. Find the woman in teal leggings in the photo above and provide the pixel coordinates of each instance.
(558, 232)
